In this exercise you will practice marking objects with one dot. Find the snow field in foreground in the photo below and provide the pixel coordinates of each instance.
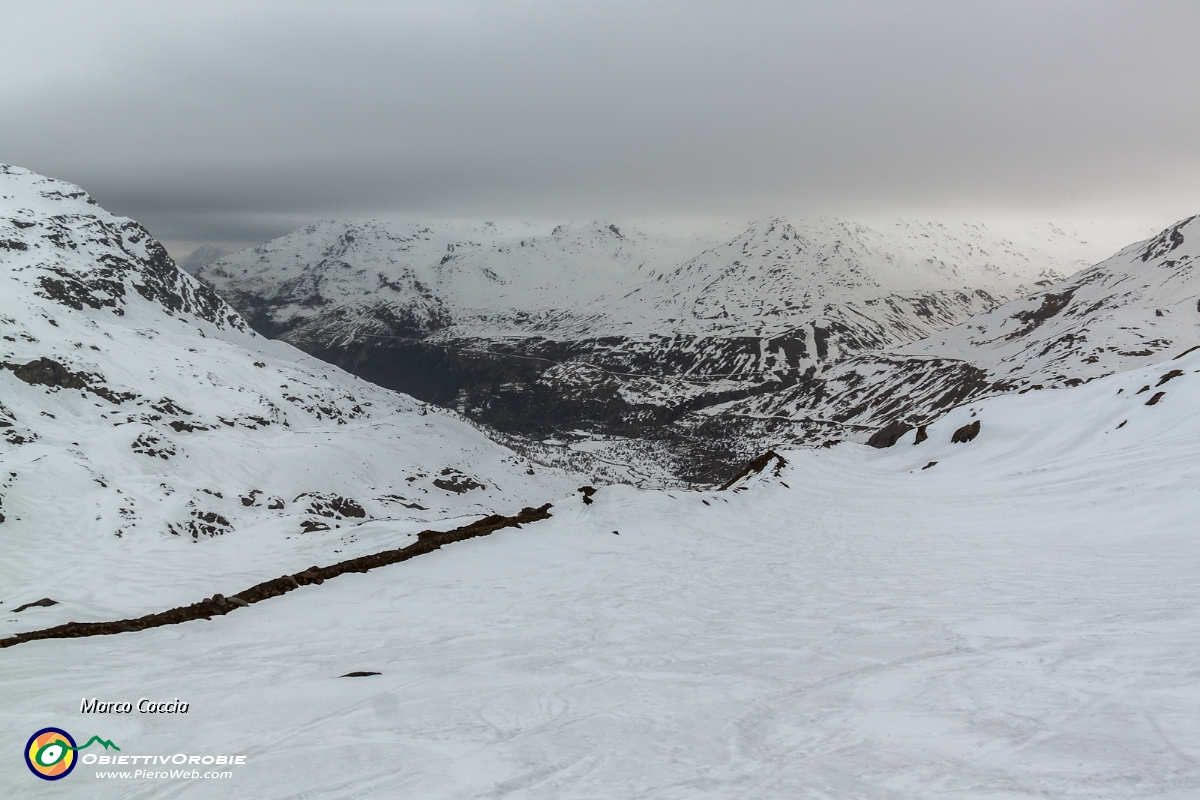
(1020, 620)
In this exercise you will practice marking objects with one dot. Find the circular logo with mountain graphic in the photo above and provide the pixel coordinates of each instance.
(50, 754)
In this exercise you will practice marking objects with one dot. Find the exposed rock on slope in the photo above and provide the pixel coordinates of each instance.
(1136, 308)
(60, 245)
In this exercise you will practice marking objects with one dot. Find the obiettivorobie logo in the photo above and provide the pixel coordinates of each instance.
(50, 753)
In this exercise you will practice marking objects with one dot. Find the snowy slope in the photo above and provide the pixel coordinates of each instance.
(140, 414)
(1129, 310)
(1018, 619)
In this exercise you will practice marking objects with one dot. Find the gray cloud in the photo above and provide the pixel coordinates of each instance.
(237, 122)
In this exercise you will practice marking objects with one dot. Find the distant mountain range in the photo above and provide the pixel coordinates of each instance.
(700, 348)
(883, 282)
(202, 256)
(639, 350)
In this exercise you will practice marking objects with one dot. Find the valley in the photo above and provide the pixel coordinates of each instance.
(662, 346)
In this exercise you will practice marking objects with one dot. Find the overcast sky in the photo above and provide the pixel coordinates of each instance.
(237, 122)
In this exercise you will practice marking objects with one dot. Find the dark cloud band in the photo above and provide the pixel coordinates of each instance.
(229, 122)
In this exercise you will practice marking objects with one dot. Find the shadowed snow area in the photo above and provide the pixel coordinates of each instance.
(1018, 620)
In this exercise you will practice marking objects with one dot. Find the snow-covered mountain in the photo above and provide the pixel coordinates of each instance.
(487, 280)
(866, 284)
(202, 256)
(139, 410)
(1138, 307)
(1135, 308)
(622, 329)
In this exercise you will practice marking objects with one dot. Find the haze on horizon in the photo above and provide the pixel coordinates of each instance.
(233, 123)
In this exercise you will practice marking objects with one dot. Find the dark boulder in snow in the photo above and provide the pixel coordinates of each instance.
(889, 434)
(455, 481)
(966, 433)
(45, 601)
(48, 372)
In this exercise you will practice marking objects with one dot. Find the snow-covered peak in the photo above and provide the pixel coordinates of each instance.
(776, 273)
(1172, 240)
(25, 194)
(59, 244)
